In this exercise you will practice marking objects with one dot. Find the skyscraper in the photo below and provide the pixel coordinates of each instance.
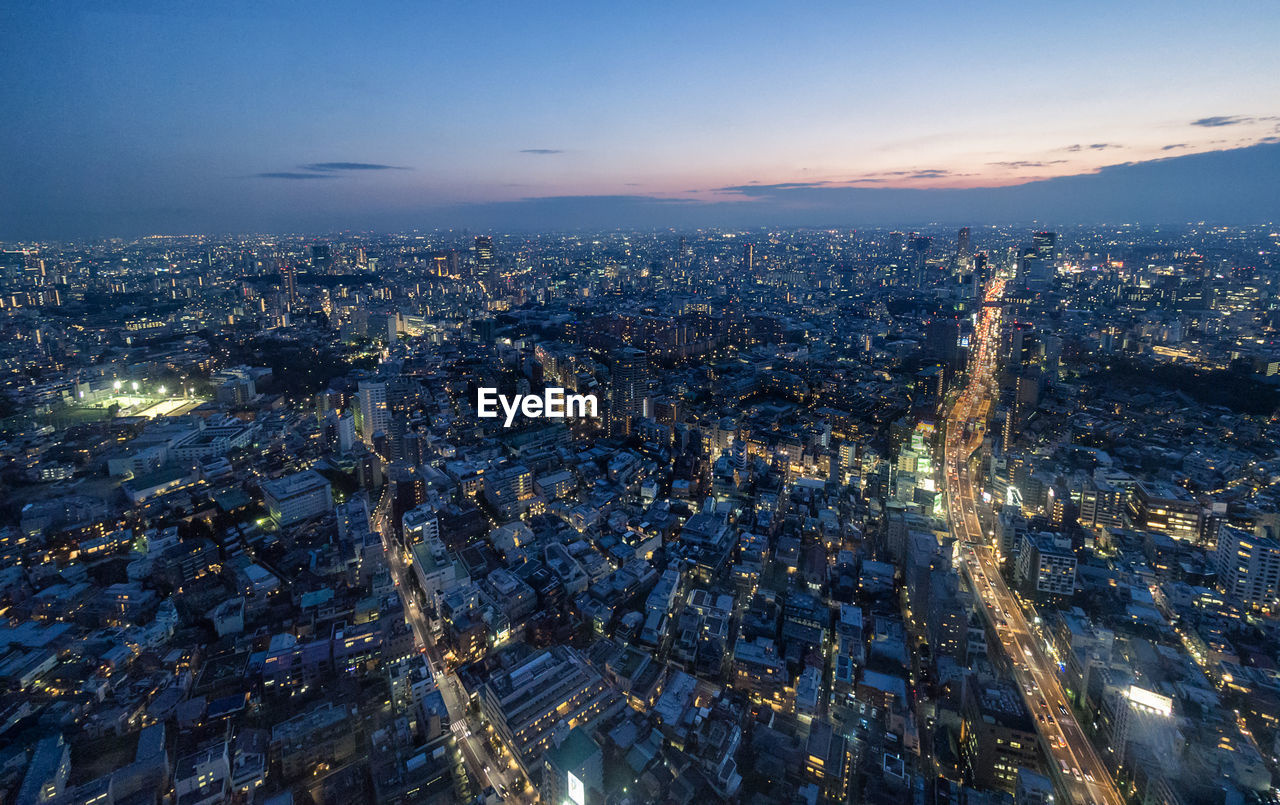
(375, 416)
(321, 257)
(628, 387)
(748, 257)
(486, 264)
(1045, 244)
(919, 245)
(288, 274)
(963, 248)
(895, 242)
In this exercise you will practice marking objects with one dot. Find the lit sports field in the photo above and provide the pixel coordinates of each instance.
(150, 407)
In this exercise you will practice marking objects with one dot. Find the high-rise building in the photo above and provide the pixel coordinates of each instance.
(1248, 567)
(321, 257)
(629, 387)
(1045, 244)
(963, 248)
(486, 262)
(289, 276)
(375, 416)
(748, 257)
(919, 246)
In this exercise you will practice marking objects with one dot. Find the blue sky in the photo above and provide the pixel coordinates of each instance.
(146, 116)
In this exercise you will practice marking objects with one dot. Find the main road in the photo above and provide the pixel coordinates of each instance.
(1074, 764)
(493, 771)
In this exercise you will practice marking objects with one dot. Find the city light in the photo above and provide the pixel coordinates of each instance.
(844, 504)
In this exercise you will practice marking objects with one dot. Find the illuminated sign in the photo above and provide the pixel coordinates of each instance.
(577, 791)
(1151, 700)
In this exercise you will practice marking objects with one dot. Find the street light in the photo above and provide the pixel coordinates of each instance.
(135, 385)
(116, 385)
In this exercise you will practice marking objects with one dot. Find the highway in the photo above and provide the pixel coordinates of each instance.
(483, 765)
(1075, 766)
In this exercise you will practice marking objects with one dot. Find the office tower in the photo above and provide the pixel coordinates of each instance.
(1045, 244)
(1036, 266)
(321, 258)
(375, 416)
(1165, 509)
(748, 257)
(1026, 264)
(895, 242)
(346, 433)
(979, 273)
(963, 249)
(403, 394)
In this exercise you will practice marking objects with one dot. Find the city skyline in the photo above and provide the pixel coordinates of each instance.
(619, 404)
(137, 119)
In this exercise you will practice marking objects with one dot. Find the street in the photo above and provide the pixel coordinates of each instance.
(1075, 766)
(483, 766)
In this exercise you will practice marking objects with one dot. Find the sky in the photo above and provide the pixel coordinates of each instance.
(180, 117)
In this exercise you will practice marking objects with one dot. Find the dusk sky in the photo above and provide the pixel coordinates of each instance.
(135, 117)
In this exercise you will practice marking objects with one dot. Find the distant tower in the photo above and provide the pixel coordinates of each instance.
(1045, 244)
(321, 258)
(963, 248)
(919, 251)
(684, 255)
(289, 274)
(485, 262)
(748, 257)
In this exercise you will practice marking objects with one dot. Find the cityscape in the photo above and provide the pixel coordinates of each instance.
(639, 404)
(976, 515)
